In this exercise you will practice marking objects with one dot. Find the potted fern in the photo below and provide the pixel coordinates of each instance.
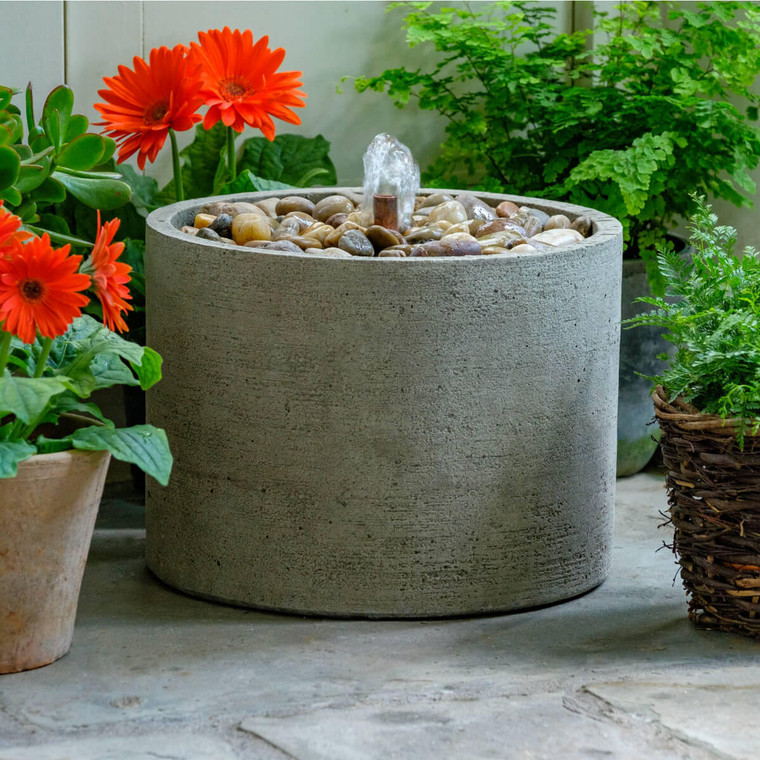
(707, 403)
(628, 118)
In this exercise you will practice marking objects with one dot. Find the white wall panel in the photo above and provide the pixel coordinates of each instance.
(99, 37)
(31, 47)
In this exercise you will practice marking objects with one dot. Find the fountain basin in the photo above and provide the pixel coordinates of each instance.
(383, 437)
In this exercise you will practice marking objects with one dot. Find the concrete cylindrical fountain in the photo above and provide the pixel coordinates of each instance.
(384, 437)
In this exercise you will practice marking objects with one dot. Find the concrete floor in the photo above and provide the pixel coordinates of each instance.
(618, 673)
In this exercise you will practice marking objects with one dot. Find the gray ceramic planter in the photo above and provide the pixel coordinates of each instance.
(384, 437)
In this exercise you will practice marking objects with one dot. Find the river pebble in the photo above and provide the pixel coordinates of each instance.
(442, 225)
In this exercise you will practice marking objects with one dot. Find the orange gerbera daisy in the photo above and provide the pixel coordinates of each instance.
(241, 84)
(39, 290)
(109, 277)
(11, 236)
(144, 104)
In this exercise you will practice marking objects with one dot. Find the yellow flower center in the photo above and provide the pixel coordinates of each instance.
(231, 89)
(31, 290)
(155, 112)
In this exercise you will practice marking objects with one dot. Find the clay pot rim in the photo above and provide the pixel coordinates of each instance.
(77, 421)
(168, 220)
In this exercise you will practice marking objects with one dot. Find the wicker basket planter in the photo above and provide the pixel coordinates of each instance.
(714, 498)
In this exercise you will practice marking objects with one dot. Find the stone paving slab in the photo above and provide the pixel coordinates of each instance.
(161, 746)
(617, 673)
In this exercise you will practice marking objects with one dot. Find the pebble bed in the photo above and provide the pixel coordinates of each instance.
(441, 225)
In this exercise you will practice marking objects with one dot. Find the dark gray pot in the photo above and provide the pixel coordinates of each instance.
(639, 348)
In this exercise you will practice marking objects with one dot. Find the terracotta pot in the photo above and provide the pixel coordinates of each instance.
(47, 515)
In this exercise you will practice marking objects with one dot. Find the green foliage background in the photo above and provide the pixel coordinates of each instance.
(631, 127)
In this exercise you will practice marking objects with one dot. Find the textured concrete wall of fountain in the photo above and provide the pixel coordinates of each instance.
(396, 437)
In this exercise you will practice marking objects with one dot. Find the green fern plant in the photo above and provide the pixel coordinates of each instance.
(711, 312)
(630, 120)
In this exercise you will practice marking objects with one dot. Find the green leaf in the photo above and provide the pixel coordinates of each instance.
(49, 191)
(47, 445)
(30, 177)
(290, 159)
(11, 196)
(9, 166)
(11, 453)
(104, 194)
(76, 126)
(82, 153)
(56, 113)
(27, 397)
(143, 445)
(247, 182)
(144, 187)
(109, 370)
(149, 371)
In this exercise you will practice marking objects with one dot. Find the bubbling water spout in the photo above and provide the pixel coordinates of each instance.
(391, 182)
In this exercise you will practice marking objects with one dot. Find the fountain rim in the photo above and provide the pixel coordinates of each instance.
(164, 221)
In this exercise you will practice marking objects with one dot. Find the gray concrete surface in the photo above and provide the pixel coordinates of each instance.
(389, 437)
(617, 673)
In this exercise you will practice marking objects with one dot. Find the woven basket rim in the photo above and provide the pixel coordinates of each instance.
(687, 417)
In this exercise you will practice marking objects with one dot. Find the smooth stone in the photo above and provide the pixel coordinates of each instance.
(294, 203)
(524, 248)
(542, 216)
(459, 235)
(502, 238)
(206, 233)
(285, 229)
(362, 217)
(268, 206)
(443, 224)
(424, 234)
(507, 209)
(404, 248)
(247, 227)
(436, 199)
(218, 207)
(494, 250)
(583, 225)
(462, 247)
(453, 229)
(303, 242)
(318, 231)
(333, 237)
(450, 211)
(188, 230)
(202, 220)
(392, 253)
(529, 222)
(557, 237)
(304, 220)
(243, 207)
(333, 204)
(557, 222)
(222, 225)
(382, 237)
(433, 248)
(475, 208)
(424, 211)
(499, 225)
(356, 243)
(274, 245)
(336, 220)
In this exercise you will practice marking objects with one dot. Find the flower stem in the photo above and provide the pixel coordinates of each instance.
(5, 348)
(179, 190)
(47, 344)
(231, 161)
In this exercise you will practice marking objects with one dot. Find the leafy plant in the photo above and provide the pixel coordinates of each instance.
(630, 125)
(712, 314)
(52, 357)
(59, 159)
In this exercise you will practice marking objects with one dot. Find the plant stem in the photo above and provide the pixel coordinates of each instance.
(231, 161)
(179, 191)
(5, 347)
(47, 344)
